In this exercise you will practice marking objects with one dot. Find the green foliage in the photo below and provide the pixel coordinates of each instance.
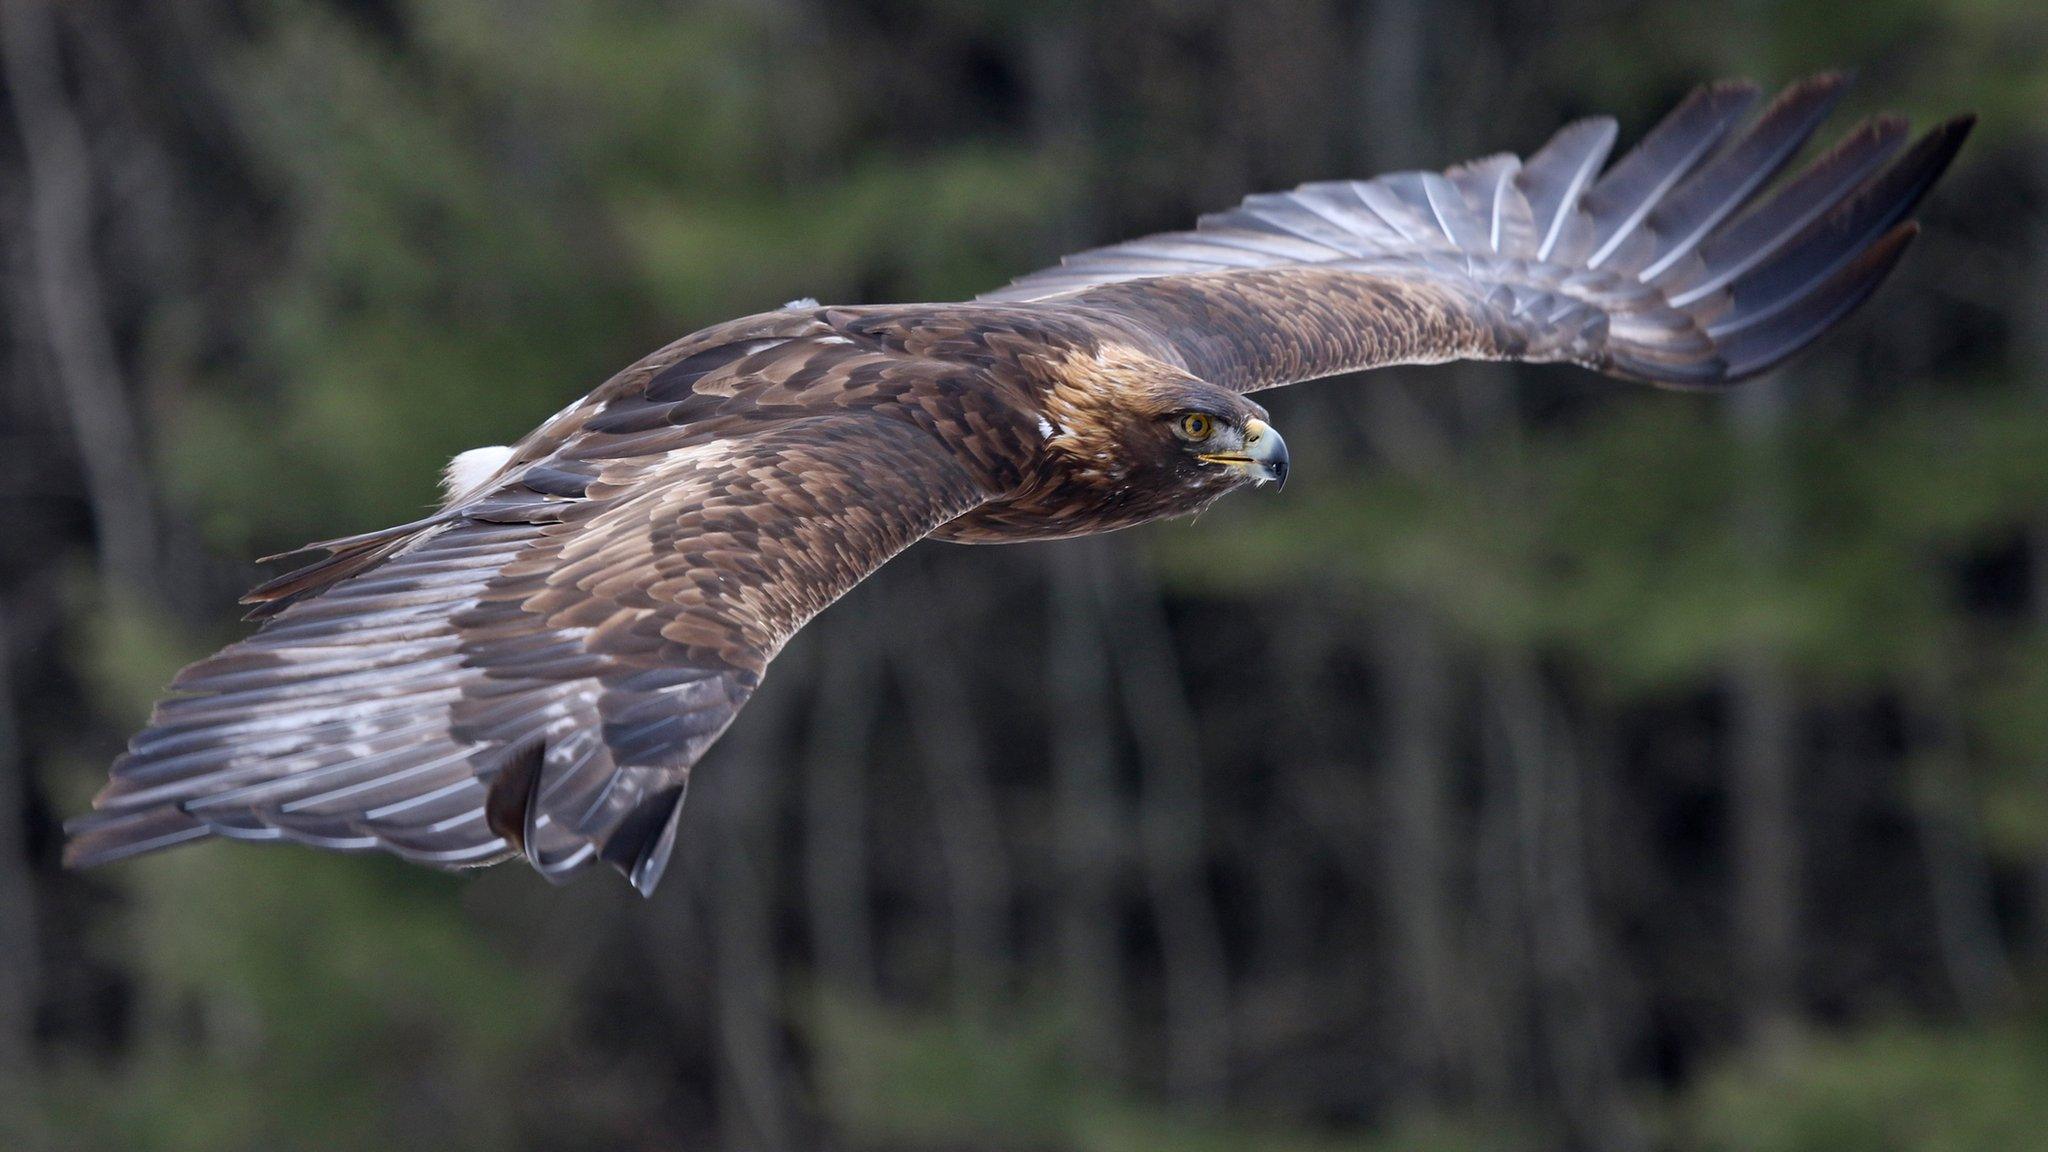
(452, 280)
(1894, 1089)
(2012, 726)
(127, 651)
(1622, 543)
(304, 1001)
(895, 1079)
(899, 1078)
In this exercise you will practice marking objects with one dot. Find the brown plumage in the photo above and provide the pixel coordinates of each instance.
(532, 670)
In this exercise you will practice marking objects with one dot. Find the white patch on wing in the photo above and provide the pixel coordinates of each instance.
(1044, 428)
(470, 469)
(801, 303)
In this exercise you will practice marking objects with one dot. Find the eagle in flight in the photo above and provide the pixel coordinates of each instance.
(532, 670)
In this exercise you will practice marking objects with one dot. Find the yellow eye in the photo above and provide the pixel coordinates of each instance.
(1197, 426)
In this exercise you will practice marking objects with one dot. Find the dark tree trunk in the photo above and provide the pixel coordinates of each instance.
(69, 307)
(1088, 818)
(1763, 744)
(1171, 831)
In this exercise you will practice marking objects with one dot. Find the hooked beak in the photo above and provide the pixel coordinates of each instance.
(1264, 457)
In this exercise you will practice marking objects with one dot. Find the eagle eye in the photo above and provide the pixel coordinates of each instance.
(1196, 425)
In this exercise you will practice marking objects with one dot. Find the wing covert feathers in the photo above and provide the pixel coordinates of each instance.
(1677, 264)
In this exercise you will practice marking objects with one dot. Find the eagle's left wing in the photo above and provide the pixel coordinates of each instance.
(534, 672)
(1671, 266)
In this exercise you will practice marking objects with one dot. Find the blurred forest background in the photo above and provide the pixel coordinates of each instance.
(1555, 765)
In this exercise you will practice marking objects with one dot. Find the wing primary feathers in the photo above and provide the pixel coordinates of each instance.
(1623, 197)
(1553, 179)
(1863, 216)
(1495, 217)
(1721, 187)
(1752, 236)
(1460, 225)
(1765, 344)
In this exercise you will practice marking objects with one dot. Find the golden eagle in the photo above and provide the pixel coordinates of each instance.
(532, 670)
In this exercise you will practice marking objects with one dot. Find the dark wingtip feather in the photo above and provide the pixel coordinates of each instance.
(1833, 81)
(639, 847)
(1942, 142)
(511, 805)
(1723, 184)
(653, 861)
(1853, 223)
(1764, 227)
(1759, 349)
(1957, 128)
(1758, 282)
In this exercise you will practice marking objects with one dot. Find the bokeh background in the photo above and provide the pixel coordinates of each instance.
(1556, 764)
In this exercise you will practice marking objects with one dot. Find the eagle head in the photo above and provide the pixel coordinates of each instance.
(1200, 439)
(1134, 438)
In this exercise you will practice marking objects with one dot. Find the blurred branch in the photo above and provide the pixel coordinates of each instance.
(1171, 829)
(1952, 847)
(838, 895)
(1393, 51)
(21, 954)
(942, 721)
(1763, 724)
(1570, 990)
(1087, 817)
(70, 302)
(1412, 672)
(756, 1097)
(2034, 349)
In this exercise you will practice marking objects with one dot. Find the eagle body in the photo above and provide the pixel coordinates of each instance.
(1057, 424)
(532, 670)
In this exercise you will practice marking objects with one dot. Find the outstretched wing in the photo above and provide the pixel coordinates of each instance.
(1672, 266)
(535, 672)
